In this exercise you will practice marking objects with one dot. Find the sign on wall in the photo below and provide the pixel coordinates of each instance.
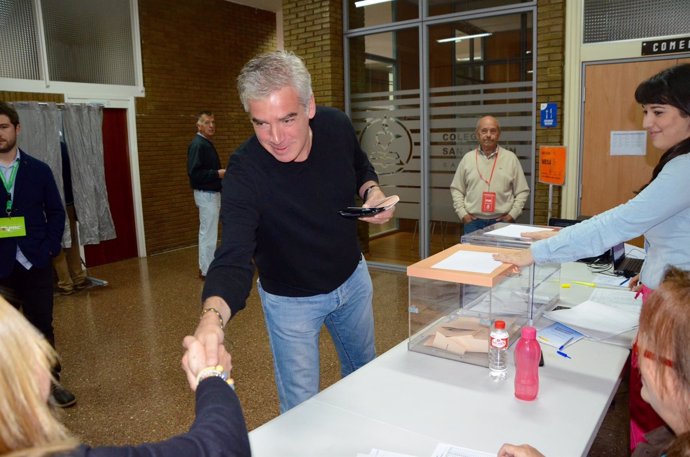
(548, 112)
(669, 46)
(552, 165)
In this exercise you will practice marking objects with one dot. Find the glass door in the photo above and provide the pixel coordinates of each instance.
(417, 85)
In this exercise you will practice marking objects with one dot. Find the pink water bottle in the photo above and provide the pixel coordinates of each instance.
(527, 355)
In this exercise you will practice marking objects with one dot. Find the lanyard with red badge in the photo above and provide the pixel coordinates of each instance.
(488, 198)
(11, 226)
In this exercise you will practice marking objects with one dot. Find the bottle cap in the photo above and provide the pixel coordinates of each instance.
(499, 324)
(529, 333)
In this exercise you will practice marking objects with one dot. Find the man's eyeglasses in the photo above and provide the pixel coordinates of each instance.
(651, 356)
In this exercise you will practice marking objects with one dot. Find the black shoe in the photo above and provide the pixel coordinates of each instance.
(62, 397)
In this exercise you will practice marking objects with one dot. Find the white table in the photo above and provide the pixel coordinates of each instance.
(408, 402)
(577, 293)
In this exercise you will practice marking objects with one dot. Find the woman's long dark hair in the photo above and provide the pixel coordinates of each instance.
(669, 87)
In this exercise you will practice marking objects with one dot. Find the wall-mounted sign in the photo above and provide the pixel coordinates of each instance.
(552, 165)
(548, 112)
(668, 46)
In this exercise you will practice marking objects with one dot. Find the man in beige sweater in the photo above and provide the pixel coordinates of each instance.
(489, 185)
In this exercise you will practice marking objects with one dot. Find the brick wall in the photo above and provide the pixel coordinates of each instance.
(550, 62)
(30, 97)
(314, 31)
(192, 52)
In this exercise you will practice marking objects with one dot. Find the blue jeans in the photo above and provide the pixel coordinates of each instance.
(209, 210)
(478, 224)
(294, 325)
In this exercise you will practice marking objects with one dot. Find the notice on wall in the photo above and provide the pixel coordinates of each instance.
(628, 143)
(552, 165)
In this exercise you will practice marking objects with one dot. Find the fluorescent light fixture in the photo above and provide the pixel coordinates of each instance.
(363, 3)
(460, 38)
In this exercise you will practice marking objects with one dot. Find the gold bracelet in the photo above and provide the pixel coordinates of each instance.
(215, 311)
(215, 371)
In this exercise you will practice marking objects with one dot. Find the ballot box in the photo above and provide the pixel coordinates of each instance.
(455, 295)
(502, 234)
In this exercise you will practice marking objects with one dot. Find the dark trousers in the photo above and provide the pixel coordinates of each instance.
(31, 291)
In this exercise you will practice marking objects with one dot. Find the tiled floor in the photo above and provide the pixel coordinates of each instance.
(121, 349)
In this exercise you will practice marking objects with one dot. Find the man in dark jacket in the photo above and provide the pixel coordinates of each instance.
(30, 234)
(205, 175)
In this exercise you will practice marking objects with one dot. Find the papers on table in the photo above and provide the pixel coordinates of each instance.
(380, 453)
(515, 230)
(618, 298)
(559, 335)
(474, 262)
(608, 312)
(442, 450)
(448, 450)
(600, 279)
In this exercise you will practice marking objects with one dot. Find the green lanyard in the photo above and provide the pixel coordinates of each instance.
(8, 186)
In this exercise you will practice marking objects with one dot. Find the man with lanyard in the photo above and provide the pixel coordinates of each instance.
(489, 185)
(30, 234)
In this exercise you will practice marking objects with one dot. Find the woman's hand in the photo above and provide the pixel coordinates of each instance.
(520, 258)
(635, 285)
(540, 235)
(524, 450)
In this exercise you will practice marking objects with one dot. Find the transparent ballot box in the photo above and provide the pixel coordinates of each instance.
(452, 305)
(502, 234)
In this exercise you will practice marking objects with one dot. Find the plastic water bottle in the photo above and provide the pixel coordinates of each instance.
(527, 354)
(498, 351)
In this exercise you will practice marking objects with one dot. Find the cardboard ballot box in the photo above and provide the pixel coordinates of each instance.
(455, 295)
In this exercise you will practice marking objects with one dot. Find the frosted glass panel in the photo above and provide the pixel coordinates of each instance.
(89, 41)
(18, 51)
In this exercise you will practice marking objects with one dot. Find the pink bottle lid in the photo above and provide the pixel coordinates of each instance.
(529, 333)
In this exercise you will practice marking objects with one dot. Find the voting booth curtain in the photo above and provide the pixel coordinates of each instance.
(81, 127)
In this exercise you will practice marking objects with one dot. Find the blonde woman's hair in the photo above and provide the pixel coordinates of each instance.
(28, 424)
(665, 332)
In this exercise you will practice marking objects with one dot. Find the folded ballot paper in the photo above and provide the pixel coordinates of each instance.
(608, 312)
(461, 335)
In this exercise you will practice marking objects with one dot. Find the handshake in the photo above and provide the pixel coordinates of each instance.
(205, 355)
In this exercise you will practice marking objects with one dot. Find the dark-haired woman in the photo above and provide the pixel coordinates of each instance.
(660, 211)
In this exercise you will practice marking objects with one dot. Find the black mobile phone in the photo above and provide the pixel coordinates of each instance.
(355, 212)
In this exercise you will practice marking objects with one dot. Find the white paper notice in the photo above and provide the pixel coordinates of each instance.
(515, 230)
(474, 262)
(628, 143)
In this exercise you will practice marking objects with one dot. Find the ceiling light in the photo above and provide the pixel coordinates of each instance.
(362, 3)
(464, 37)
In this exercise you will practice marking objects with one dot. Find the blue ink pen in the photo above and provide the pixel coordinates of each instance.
(624, 281)
(560, 349)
